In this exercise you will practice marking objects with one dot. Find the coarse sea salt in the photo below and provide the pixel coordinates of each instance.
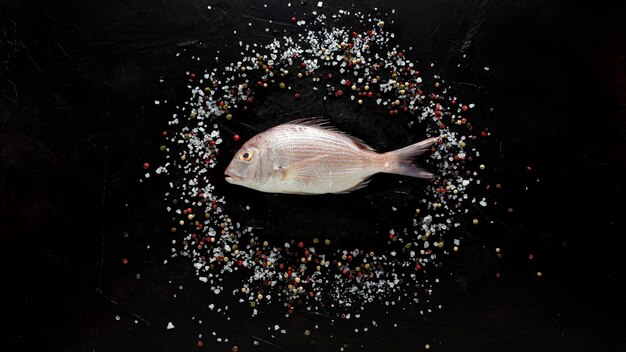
(222, 92)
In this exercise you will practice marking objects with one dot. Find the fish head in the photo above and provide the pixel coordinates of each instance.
(245, 169)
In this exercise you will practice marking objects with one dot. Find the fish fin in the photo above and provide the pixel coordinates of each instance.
(298, 169)
(359, 185)
(325, 124)
(316, 121)
(401, 161)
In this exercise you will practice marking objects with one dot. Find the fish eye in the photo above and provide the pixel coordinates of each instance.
(246, 155)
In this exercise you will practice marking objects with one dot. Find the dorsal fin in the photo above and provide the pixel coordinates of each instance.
(325, 124)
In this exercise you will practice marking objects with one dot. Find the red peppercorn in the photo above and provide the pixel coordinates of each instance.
(464, 107)
(355, 34)
(339, 93)
(484, 134)
(146, 166)
(348, 82)
(200, 343)
(297, 95)
(303, 65)
(236, 137)
(124, 261)
(300, 244)
(164, 133)
(294, 20)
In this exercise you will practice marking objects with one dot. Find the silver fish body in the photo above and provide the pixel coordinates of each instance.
(308, 157)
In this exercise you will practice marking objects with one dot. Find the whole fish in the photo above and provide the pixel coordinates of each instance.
(307, 156)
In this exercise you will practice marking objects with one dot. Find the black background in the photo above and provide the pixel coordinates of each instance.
(78, 120)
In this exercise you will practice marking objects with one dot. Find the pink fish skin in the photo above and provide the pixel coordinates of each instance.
(307, 156)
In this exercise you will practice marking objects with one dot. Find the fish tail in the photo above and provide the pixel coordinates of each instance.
(401, 161)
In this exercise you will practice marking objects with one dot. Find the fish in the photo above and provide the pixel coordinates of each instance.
(309, 156)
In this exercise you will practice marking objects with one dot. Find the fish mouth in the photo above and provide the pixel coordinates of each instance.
(230, 178)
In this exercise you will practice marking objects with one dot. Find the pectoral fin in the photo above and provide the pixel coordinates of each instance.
(300, 170)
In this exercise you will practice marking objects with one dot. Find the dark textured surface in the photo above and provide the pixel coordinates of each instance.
(77, 121)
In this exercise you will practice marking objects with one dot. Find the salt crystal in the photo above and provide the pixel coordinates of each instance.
(320, 4)
(170, 326)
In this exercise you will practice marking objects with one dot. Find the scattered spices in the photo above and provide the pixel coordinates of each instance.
(370, 69)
